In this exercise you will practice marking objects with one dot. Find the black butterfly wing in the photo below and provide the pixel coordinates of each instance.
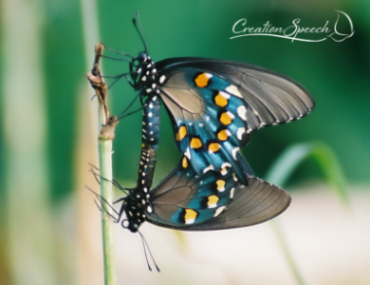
(185, 200)
(216, 104)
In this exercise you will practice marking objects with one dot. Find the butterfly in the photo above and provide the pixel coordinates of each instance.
(214, 106)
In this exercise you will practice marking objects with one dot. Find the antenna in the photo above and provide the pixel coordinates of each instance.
(139, 31)
(117, 52)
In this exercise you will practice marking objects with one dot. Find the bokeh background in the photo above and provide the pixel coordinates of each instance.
(50, 227)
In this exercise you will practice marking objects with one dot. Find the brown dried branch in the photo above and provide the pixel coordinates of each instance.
(97, 82)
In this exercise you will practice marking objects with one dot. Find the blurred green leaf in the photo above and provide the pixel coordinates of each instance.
(319, 153)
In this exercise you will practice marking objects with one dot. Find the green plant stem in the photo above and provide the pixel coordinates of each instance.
(106, 191)
(288, 256)
(287, 163)
(106, 136)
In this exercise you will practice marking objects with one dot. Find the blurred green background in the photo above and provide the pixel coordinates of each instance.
(47, 131)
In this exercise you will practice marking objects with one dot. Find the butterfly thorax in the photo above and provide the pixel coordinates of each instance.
(145, 76)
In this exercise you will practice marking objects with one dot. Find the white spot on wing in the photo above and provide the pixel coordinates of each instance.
(234, 152)
(187, 153)
(225, 95)
(210, 167)
(232, 89)
(232, 193)
(219, 211)
(189, 221)
(240, 133)
(242, 112)
(225, 164)
(231, 115)
(214, 205)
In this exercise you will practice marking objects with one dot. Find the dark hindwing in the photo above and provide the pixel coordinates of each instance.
(185, 200)
(216, 104)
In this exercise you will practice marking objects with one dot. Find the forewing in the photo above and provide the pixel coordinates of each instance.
(215, 104)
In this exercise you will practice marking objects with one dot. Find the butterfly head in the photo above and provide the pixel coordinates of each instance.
(142, 57)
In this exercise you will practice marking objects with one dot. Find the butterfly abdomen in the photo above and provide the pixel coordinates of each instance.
(151, 118)
(138, 199)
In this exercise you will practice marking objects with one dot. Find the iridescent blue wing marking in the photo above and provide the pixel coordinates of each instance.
(185, 200)
(216, 104)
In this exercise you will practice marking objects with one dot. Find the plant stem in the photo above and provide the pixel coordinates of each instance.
(105, 162)
(106, 135)
(283, 245)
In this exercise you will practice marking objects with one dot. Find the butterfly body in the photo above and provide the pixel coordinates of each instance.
(137, 202)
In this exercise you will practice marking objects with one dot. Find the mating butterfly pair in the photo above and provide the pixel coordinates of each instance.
(214, 105)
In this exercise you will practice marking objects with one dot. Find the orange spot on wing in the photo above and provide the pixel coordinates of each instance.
(181, 133)
(223, 170)
(225, 119)
(190, 216)
(220, 185)
(222, 135)
(201, 80)
(220, 100)
(195, 143)
(214, 147)
(185, 162)
(212, 201)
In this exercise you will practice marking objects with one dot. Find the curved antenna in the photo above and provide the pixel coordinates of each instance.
(140, 32)
(117, 52)
(114, 58)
